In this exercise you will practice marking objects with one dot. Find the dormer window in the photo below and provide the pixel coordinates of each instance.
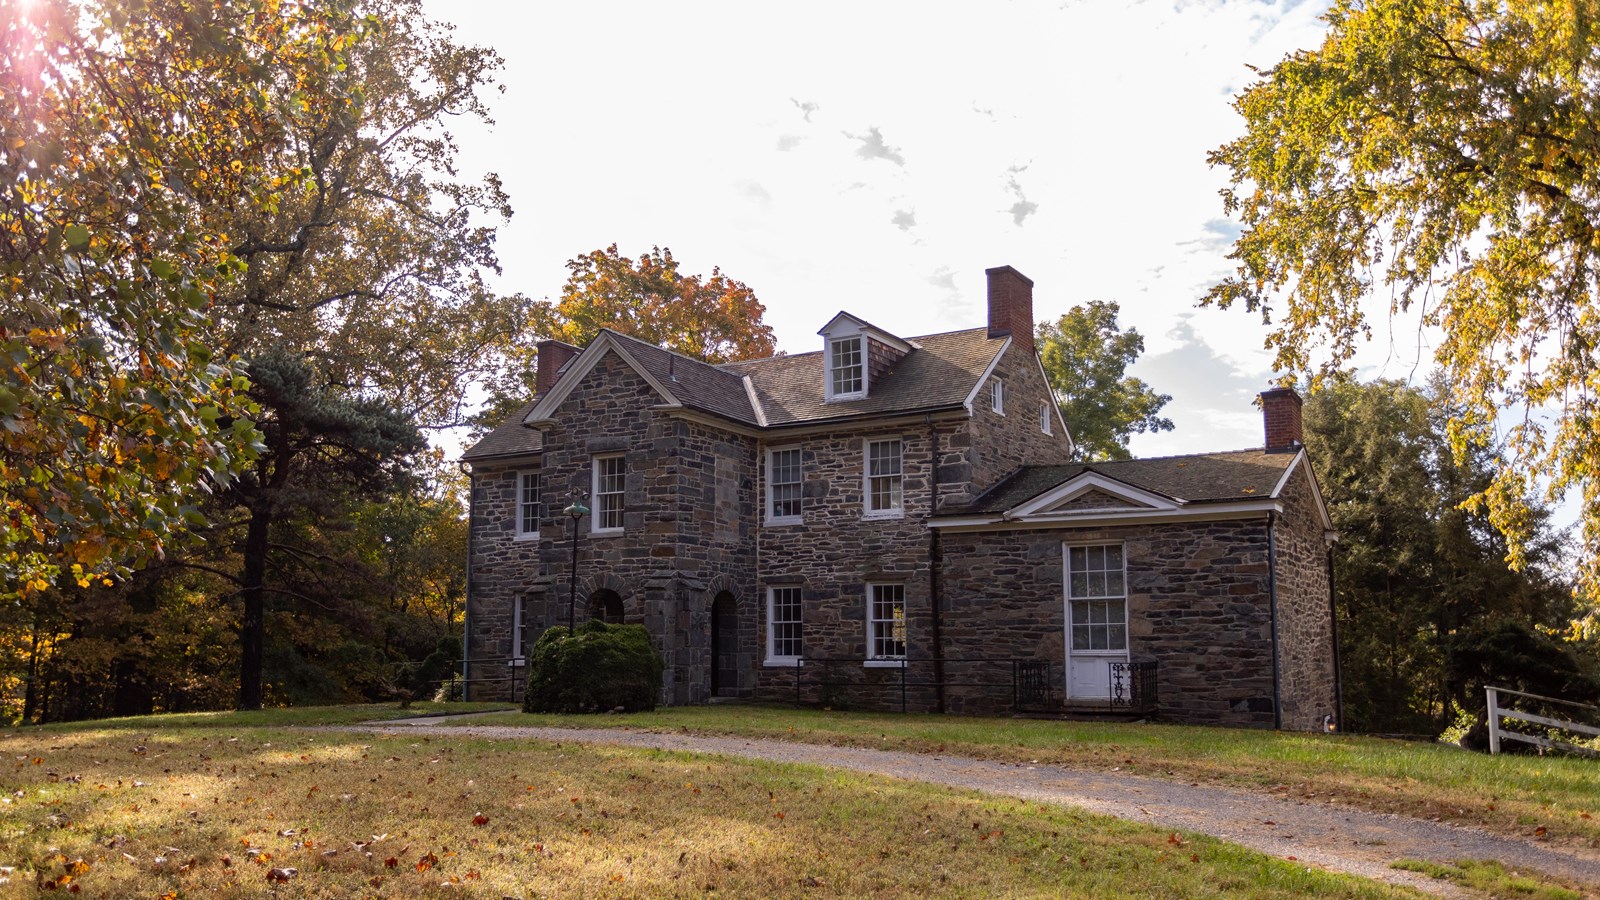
(847, 376)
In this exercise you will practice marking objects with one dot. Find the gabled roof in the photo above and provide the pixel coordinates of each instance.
(1139, 486)
(939, 372)
(512, 438)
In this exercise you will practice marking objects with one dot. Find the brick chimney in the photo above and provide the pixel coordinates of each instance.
(552, 356)
(1280, 414)
(1011, 306)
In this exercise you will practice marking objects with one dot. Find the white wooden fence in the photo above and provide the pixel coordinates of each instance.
(1498, 712)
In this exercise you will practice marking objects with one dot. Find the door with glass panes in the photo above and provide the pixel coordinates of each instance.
(1097, 617)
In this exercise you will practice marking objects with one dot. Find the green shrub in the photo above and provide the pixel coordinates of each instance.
(600, 668)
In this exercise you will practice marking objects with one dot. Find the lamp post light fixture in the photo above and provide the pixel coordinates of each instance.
(575, 511)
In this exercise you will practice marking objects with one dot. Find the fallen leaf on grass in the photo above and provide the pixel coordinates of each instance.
(282, 875)
(480, 819)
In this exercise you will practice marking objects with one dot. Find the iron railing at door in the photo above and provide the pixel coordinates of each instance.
(1133, 687)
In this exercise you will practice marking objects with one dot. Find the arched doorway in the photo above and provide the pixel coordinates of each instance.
(724, 645)
(606, 605)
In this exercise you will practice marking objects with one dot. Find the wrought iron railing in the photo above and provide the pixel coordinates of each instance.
(839, 680)
(1133, 687)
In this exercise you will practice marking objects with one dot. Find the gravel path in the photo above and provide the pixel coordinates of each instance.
(1334, 837)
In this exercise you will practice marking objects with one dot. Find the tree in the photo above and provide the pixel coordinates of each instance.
(319, 442)
(1449, 152)
(1418, 579)
(124, 131)
(714, 319)
(1086, 358)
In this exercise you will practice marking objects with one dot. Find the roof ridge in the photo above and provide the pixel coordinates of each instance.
(679, 354)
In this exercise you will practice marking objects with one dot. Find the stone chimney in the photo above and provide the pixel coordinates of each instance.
(552, 356)
(1011, 306)
(1280, 414)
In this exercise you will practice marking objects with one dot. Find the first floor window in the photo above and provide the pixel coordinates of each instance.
(522, 630)
(886, 621)
(884, 473)
(610, 480)
(783, 484)
(783, 623)
(528, 504)
(1097, 589)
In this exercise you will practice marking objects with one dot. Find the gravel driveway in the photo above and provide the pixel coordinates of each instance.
(1334, 837)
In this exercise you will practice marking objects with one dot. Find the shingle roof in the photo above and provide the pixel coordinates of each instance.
(698, 385)
(940, 371)
(511, 438)
(1195, 478)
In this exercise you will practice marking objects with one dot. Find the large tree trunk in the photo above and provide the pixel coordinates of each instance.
(253, 627)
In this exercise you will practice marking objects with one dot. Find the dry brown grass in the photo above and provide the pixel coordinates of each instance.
(214, 812)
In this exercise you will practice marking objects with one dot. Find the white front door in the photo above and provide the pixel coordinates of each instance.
(1097, 618)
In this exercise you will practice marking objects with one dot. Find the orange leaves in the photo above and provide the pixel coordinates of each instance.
(480, 820)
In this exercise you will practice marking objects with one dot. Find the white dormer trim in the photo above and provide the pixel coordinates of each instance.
(844, 327)
(584, 363)
(1044, 504)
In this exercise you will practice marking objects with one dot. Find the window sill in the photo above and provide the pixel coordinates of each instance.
(608, 532)
(526, 536)
(517, 663)
(883, 664)
(887, 514)
(787, 520)
(778, 662)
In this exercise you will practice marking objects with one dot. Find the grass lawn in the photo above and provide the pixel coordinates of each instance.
(1549, 798)
(217, 806)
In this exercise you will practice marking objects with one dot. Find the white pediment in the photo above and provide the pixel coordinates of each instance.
(1091, 493)
(581, 365)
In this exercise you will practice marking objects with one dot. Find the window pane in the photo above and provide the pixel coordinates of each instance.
(1114, 583)
(1097, 584)
(1080, 584)
(1077, 556)
(1117, 637)
(1114, 556)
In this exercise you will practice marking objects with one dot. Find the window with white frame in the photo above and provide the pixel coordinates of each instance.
(884, 478)
(886, 621)
(528, 505)
(1098, 591)
(784, 485)
(1045, 417)
(997, 395)
(847, 374)
(784, 643)
(610, 481)
(522, 629)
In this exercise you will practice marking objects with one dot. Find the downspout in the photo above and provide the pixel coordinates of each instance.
(1272, 600)
(1338, 675)
(466, 606)
(935, 566)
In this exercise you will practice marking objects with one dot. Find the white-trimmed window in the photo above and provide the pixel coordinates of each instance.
(784, 644)
(997, 395)
(528, 510)
(610, 483)
(1097, 586)
(884, 478)
(847, 370)
(784, 488)
(522, 635)
(886, 622)
(1044, 416)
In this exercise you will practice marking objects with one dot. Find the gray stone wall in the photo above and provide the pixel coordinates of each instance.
(1305, 623)
(1197, 604)
(996, 445)
(684, 539)
(837, 550)
(501, 567)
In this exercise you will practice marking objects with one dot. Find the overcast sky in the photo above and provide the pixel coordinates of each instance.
(877, 157)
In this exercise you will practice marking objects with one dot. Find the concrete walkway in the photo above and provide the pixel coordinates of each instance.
(1334, 837)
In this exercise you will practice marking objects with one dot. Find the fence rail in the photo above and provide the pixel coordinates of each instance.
(1497, 712)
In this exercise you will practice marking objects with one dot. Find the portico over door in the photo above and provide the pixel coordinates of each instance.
(1096, 598)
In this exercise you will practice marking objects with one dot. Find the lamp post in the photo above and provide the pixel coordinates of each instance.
(575, 511)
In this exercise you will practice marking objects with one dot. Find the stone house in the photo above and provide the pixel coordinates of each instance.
(893, 522)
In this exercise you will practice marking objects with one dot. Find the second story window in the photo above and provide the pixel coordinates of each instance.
(997, 393)
(527, 505)
(610, 480)
(884, 475)
(784, 486)
(847, 377)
